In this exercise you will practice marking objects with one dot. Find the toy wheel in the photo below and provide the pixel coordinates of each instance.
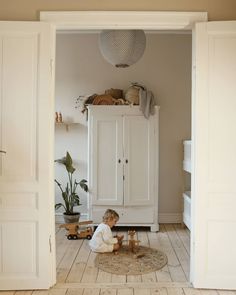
(75, 237)
(89, 237)
(69, 237)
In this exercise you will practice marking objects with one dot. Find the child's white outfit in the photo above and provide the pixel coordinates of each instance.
(102, 240)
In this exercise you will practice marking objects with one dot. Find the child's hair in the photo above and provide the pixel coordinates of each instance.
(110, 214)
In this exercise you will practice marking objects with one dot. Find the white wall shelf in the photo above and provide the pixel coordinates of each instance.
(66, 124)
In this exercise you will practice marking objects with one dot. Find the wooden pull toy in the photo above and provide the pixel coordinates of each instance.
(75, 234)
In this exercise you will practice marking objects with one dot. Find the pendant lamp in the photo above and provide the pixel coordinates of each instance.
(122, 48)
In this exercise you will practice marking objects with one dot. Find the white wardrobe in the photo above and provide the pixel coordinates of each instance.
(123, 165)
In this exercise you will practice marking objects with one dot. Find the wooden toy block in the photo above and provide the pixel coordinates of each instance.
(133, 244)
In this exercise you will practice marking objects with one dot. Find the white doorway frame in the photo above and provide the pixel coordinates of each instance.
(145, 20)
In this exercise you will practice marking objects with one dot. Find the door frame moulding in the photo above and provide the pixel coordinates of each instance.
(101, 20)
(68, 21)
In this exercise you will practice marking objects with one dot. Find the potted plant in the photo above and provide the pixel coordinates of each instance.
(69, 193)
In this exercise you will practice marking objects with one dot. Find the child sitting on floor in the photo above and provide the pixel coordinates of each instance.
(102, 240)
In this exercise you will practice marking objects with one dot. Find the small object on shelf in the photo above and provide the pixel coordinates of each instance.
(60, 118)
(56, 117)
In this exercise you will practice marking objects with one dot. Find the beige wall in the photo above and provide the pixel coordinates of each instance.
(165, 69)
(29, 9)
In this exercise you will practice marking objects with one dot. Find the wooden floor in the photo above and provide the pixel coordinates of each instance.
(75, 261)
(77, 275)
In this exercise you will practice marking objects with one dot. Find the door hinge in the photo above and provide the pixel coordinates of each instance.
(50, 244)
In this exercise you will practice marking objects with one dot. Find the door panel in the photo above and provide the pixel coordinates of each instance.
(139, 160)
(26, 169)
(20, 160)
(24, 260)
(106, 182)
(214, 145)
(18, 131)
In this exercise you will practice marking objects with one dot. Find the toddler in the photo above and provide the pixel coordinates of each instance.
(102, 240)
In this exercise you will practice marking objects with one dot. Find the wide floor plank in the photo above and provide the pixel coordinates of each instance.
(67, 261)
(79, 265)
(109, 291)
(127, 291)
(91, 272)
(178, 246)
(184, 235)
(95, 291)
(162, 242)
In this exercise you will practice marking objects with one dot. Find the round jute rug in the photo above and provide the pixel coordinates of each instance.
(127, 263)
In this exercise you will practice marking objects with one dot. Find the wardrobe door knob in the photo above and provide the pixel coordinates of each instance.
(126, 161)
(3, 152)
(119, 161)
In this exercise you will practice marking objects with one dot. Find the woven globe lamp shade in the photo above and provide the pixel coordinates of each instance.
(122, 48)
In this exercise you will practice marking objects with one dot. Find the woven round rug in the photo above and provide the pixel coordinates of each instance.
(125, 262)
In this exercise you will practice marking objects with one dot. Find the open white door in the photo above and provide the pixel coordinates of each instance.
(214, 151)
(26, 164)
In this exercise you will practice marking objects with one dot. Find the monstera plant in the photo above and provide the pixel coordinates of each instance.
(69, 191)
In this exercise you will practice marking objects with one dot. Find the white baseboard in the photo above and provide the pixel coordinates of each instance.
(59, 217)
(162, 217)
(170, 218)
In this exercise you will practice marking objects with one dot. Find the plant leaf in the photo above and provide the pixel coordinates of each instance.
(59, 205)
(69, 163)
(77, 200)
(83, 185)
(61, 161)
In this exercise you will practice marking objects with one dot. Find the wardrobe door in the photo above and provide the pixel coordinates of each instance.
(139, 160)
(106, 165)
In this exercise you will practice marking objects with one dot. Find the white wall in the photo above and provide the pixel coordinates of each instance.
(165, 69)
